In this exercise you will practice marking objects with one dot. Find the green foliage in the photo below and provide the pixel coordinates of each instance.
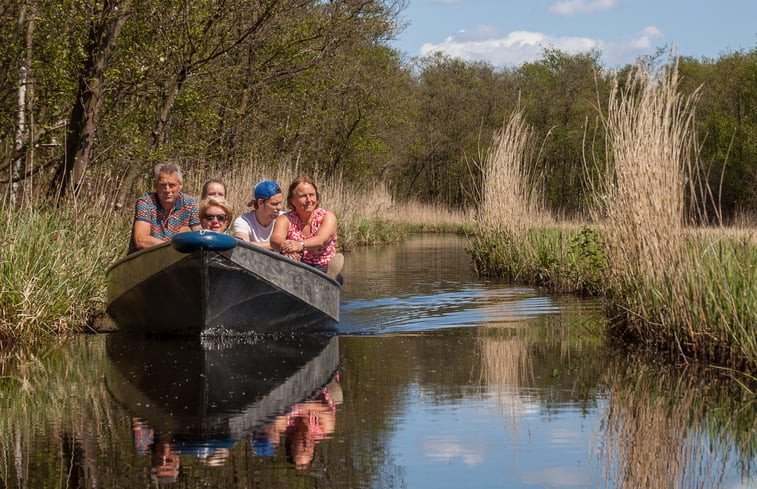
(558, 259)
(727, 124)
(456, 108)
(364, 232)
(585, 261)
(559, 94)
(314, 83)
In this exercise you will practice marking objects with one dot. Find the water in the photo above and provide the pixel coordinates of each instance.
(438, 379)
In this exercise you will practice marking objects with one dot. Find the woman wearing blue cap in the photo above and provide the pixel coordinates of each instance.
(307, 232)
(256, 225)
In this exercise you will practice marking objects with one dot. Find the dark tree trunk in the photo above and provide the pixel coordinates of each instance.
(89, 100)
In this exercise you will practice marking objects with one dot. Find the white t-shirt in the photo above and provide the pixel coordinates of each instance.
(247, 223)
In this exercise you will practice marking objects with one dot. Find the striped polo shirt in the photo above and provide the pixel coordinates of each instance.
(165, 225)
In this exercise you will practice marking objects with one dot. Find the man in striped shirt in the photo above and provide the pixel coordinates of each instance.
(160, 215)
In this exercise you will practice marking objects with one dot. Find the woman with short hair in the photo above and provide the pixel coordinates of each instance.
(215, 214)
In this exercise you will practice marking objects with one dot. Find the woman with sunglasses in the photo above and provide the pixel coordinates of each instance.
(215, 214)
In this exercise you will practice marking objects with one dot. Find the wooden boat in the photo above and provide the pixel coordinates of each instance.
(216, 391)
(207, 283)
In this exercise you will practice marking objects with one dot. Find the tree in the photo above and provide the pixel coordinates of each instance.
(560, 94)
(726, 120)
(458, 105)
(104, 30)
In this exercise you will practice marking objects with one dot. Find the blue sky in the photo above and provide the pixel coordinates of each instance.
(510, 32)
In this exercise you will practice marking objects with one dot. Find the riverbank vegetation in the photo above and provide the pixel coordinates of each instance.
(91, 97)
(53, 267)
(692, 294)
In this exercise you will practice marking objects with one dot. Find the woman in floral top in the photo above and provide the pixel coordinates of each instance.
(307, 232)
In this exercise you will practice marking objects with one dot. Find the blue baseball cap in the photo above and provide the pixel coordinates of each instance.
(264, 190)
(262, 447)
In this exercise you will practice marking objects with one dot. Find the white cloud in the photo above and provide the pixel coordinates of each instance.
(644, 41)
(628, 50)
(518, 47)
(515, 48)
(555, 477)
(446, 451)
(573, 7)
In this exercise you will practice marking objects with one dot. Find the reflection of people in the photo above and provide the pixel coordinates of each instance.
(213, 188)
(165, 461)
(307, 424)
(160, 215)
(307, 232)
(215, 214)
(266, 439)
(216, 458)
(142, 435)
(256, 225)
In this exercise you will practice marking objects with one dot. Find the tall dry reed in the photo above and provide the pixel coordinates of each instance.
(510, 202)
(513, 240)
(358, 206)
(641, 200)
(664, 287)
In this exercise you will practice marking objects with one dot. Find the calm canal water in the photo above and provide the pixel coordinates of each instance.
(437, 380)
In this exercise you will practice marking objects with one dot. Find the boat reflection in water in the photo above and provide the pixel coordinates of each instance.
(201, 396)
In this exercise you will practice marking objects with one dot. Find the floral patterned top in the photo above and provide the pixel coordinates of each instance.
(318, 257)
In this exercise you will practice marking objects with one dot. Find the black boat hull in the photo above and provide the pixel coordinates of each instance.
(245, 289)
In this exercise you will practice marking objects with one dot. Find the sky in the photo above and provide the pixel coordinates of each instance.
(507, 33)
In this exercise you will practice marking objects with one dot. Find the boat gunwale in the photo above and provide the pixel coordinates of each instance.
(242, 243)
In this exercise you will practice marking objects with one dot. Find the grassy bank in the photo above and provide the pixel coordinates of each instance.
(55, 258)
(562, 259)
(666, 284)
(53, 269)
(668, 287)
(702, 306)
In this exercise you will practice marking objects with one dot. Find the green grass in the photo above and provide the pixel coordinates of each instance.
(561, 260)
(366, 232)
(704, 307)
(53, 269)
(363, 232)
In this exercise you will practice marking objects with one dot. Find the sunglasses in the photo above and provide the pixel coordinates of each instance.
(210, 217)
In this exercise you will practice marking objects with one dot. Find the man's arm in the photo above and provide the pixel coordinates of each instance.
(262, 244)
(240, 229)
(142, 238)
